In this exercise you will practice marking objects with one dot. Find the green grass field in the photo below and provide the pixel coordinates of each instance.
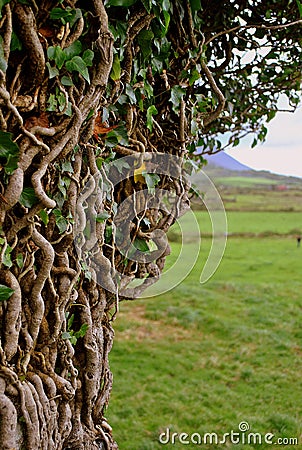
(203, 358)
(244, 181)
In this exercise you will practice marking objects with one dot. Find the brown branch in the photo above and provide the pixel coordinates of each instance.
(245, 27)
(221, 99)
(12, 315)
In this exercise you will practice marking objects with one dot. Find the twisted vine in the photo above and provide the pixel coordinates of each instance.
(77, 96)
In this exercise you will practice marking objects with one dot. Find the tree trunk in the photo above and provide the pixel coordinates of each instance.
(56, 330)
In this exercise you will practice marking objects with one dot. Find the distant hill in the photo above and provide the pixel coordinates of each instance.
(226, 161)
(227, 171)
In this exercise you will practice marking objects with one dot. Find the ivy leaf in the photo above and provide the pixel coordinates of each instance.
(195, 75)
(9, 150)
(117, 136)
(67, 167)
(3, 63)
(3, 3)
(151, 111)
(66, 81)
(82, 331)
(56, 54)
(53, 71)
(44, 216)
(177, 94)
(73, 50)
(78, 65)
(70, 321)
(5, 292)
(100, 218)
(66, 335)
(52, 103)
(7, 259)
(141, 245)
(28, 197)
(61, 222)
(300, 7)
(195, 5)
(152, 180)
(66, 15)
(124, 3)
(166, 5)
(148, 5)
(167, 18)
(131, 94)
(20, 260)
(137, 174)
(15, 43)
(116, 69)
(145, 38)
(88, 56)
(121, 164)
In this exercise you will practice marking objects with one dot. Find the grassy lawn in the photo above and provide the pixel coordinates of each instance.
(250, 222)
(203, 358)
(244, 181)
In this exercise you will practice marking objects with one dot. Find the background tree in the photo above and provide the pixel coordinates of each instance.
(83, 84)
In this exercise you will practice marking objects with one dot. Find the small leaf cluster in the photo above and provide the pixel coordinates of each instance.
(72, 335)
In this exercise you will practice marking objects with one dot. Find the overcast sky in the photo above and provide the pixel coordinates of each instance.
(282, 150)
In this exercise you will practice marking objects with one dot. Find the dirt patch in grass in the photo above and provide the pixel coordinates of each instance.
(132, 324)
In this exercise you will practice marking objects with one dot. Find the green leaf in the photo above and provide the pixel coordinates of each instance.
(102, 217)
(7, 259)
(152, 180)
(166, 5)
(66, 15)
(52, 103)
(3, 3)
(3, 63)
(73, 50)
(121, 164)
(195, 75)
(116, 69)
(124, 3)
(236, 142)
(131, 94)
(151, 111)
(67, 167)
(53, 71)
(70, 321)
(300, 7)
(20, 260)
(61, 222)
(145, 38)
(108, 234)
(148, 5)
(177, 94)
(5, 292)
(56, 54)
(66, 81)
(141, 245)
(15, 43)
(82, 331)
(28, 197)
(88, 56)
(167, 18)
(117, 136)
(44, 216)
(66, 335)
(78, 65)
(195, 5)
(9, 150)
